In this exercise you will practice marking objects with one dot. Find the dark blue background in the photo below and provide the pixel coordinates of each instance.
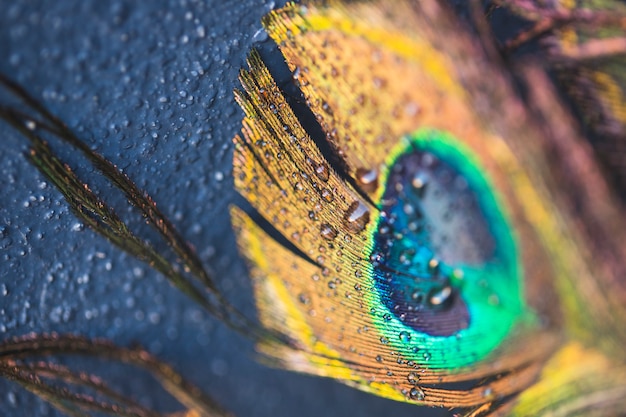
(148, 85)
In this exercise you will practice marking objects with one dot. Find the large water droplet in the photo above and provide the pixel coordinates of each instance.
(416, 394)
(328, 232)
(357, 216)
(367, 179)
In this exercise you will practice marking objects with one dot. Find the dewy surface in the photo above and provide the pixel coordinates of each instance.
(150, 87)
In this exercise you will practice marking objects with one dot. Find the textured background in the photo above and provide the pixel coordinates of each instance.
(150, 87)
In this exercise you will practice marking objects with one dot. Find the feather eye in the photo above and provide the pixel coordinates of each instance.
(425, 267)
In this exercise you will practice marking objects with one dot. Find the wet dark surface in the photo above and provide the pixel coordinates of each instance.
(150, 87)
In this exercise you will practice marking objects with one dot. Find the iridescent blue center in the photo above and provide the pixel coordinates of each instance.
(430, 229)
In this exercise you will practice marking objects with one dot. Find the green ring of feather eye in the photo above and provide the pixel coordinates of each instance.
(493, 292)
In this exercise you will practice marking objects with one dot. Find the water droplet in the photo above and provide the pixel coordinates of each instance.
(379, 358)
(259, 36)
(327, 195)
(332, 285)
(416, 394)
(328, 232)
(356, 217)
(384, 340)
(367, 179)
(406, 257)
(376, 257)
(327, 108)
(322, 171)
(411, 109)
(419, 182)
(417, 296)
(433, 263)
(405, 337)
(11, 398)
(77, 227)
(413, 377)
(429, 160)
(440, 296)
(154, 317)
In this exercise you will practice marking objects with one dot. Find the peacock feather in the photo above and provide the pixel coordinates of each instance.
(427, 238)
(424, 220)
